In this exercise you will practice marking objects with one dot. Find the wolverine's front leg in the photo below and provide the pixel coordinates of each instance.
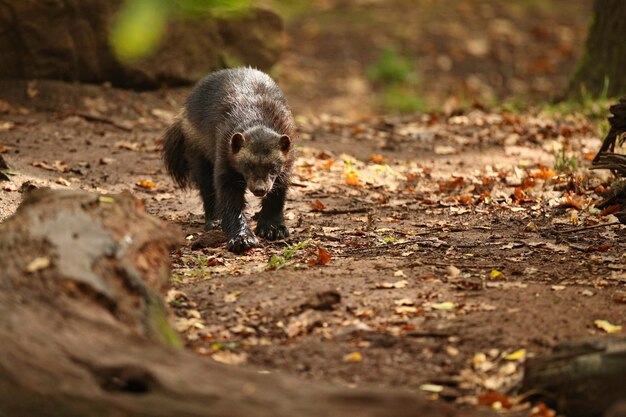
(230, 187)
(271, 219)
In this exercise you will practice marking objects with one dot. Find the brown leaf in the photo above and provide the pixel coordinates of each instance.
(491, 397)
(323, 257)
(317, 205)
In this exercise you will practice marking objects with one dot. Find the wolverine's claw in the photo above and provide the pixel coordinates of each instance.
(272, 231)
(242, 243)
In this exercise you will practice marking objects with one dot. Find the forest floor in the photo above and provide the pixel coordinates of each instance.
(435, 251)
(432, 252)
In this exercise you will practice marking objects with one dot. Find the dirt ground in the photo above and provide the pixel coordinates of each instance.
(430, 252)
(434, 252)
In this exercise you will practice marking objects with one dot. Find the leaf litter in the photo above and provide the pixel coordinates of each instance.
(438, 263)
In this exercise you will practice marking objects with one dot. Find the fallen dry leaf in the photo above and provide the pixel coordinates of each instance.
(63, 181)
(352, 178)
(353, 357)
(38, 264)
(518, 355)
(388, 285)
(59, 166)
(146, 184)
(230, 358)
(431, 388)
(404, 302)
(323, 257)
(404, 310)
(232, 296)
(317, 205)
(494, 399)
(445, 306)
(607, 327)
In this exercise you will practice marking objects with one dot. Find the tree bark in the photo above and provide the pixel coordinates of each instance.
(601, 70)
(581, 379)
(83, 330)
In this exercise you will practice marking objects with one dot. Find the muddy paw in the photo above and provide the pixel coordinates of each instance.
(272, 231)
(242, 243)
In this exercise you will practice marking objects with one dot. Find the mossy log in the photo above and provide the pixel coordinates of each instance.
(84, 329)
(581, 379)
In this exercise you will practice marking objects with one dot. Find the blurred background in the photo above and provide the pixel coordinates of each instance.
(351, 58)
(355, 57)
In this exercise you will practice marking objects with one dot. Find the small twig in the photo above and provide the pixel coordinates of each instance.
(429, 334)
(446, 264)
(344, 211)
(97, 118)
(580, 229)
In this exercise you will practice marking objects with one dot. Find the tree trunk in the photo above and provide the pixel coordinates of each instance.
(602, 68)
(581, 379)
(69, 40)
(83, 330)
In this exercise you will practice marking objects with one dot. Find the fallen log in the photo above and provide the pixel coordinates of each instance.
(84, 329)
(580, 379)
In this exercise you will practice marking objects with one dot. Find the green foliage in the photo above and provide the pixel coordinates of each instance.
(197, 265)
(403, 100)
(138, 28)
(279, 261)
(397, 80)
(140, 24)
(594, 108)
(562, 162)
(391, 68)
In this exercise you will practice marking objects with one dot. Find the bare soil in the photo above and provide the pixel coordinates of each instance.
(452, 241)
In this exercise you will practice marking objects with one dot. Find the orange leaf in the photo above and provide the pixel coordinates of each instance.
(352, 178)
(453, 183)
(465, 199)
(528, 183)
(377, 159)
(491, 397)
(611, 209)
(146, 184)
(571, 202)
(323, 257)
(519, 195)
(544, 173)
(328, 164)
(541, 410)
(588, 156)
(318, 205)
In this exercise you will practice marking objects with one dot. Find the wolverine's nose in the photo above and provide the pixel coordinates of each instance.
(259, 192)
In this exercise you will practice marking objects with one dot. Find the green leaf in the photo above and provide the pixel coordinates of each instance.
(138, 28)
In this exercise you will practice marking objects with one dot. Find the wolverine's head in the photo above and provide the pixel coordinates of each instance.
(259, 154)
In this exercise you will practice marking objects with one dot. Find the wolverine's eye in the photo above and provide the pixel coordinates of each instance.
(273, 170)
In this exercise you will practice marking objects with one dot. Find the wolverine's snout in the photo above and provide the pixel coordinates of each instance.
(259, 192)
(260, 187)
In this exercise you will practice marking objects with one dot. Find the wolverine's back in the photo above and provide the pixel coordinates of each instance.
(233, 100)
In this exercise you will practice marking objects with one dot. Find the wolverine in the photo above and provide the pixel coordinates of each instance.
(235, 132)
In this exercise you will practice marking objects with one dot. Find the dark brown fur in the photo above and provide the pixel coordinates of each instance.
(235, 132)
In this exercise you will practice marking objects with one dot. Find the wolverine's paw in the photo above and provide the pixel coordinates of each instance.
(272, 231)
(242, 243)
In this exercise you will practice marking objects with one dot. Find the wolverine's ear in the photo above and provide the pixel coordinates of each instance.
(285, 143)
(236, 142)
